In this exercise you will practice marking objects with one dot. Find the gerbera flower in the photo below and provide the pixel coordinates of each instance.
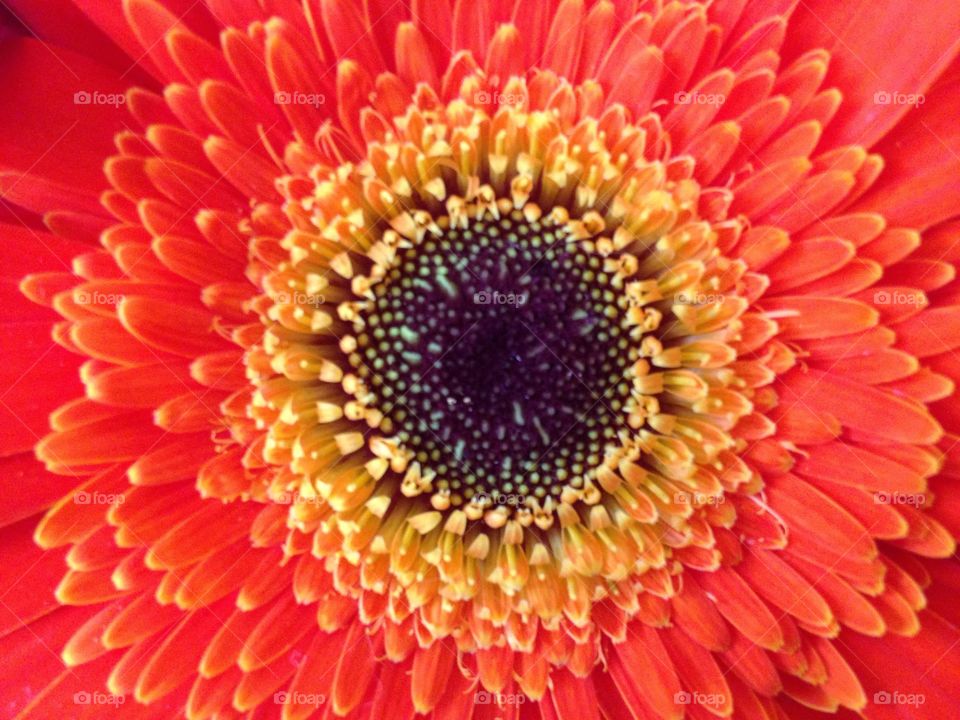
(479, 359)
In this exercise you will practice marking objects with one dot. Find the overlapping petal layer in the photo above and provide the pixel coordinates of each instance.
(229, 528)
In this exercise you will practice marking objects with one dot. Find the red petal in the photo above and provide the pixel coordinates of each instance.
(35, 379)
(355, 670)
(47, 132)
(742, 608)
(858, 406)
(857, 467)
(176, 658)
(805, 318)
(573, 697)
(864, 62)
(430, 673)
(640, 666)
(921, 183)
(931, 332)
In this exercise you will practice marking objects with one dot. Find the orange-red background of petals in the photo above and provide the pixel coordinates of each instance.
(864, 193)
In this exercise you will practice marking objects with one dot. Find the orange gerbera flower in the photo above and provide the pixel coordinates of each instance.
(531, 359)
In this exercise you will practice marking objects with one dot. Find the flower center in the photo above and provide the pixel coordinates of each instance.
(518, 384)
(498, 351)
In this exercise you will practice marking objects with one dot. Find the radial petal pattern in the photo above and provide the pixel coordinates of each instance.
(577, 359)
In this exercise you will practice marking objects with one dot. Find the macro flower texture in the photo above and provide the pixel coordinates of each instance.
(494, 359)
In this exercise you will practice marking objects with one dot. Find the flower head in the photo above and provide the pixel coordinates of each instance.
(582, 359)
